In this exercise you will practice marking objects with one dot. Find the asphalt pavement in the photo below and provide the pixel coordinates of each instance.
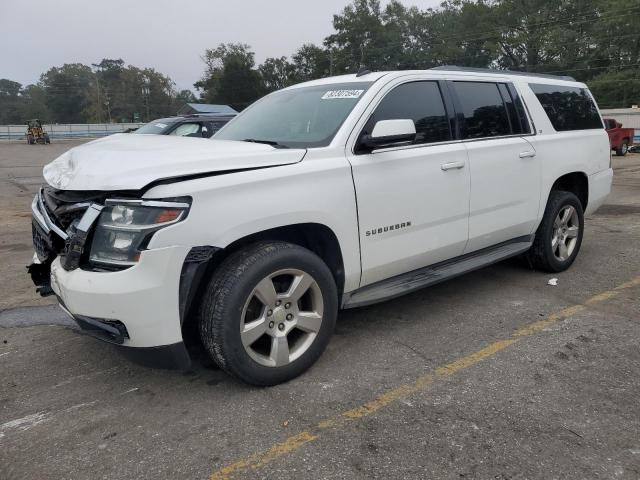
(493, 375)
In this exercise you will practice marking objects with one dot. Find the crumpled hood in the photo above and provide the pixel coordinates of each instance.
(130, 162)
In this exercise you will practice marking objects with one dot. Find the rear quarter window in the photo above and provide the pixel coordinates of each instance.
(568, 108)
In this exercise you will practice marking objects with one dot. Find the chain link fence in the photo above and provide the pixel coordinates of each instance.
(73, 130)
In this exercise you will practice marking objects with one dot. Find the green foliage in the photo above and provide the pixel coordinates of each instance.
(311, 62)
(596, 41)
(230, 76)
(617, 89)
(587, 39)
(76, 93)
(120, 92)
(276, 73)
(68, 91)
(10, 101)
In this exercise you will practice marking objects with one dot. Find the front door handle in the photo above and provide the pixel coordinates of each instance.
(528, 154)
(452, 166)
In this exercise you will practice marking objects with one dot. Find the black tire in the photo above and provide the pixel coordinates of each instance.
(541, 255)
(622, 150)
(232, 285)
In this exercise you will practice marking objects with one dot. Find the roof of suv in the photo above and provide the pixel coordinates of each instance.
(448, 71)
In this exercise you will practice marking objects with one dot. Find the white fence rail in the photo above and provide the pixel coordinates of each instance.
(73, 130)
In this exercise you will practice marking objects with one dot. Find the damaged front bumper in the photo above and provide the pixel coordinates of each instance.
(137, 308)
(40, 274)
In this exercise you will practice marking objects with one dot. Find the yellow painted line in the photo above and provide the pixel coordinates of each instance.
(393, 395)
(260, 459)
(540, 325)
(476, 357)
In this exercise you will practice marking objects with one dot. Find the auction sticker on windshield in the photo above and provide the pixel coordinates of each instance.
(331, 94)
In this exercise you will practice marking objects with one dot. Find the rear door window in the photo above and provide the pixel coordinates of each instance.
(419, 101)
(484, 111)
(568, 108)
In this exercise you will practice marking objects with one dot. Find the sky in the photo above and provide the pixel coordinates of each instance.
(168, 35)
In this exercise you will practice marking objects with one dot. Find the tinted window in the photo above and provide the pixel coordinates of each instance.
(215, 126)
(524, 120)
(485, 114)
(568, 108)
(517, 117)
(420, 102)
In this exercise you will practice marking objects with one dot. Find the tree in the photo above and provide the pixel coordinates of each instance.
(34, 104)
(10, 101)
(360, 37)
(181, 98)
(617, 89)
(230, 76)
(276, 73)
(67, 92)
(185, 96)
(311, 62)
(109, 93)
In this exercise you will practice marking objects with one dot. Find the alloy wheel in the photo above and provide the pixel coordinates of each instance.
(281, 317)
(566, 228)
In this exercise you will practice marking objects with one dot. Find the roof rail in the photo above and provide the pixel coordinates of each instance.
(457, 68)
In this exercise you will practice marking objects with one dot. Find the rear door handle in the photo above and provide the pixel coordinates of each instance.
(452, 166)
(528, 154)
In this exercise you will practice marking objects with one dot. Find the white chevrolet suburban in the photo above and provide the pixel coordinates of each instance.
(331, 194)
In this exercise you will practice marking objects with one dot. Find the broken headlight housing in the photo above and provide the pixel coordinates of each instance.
(125, 227)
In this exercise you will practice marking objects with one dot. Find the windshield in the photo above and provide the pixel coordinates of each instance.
(157, 127)
(298, 118)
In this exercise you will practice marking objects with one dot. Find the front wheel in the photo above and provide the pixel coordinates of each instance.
(269, 312)
(559, 235)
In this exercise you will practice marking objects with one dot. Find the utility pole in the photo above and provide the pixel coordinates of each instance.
(331, 63)
(99, 103)
(107, 103)
(145, 93)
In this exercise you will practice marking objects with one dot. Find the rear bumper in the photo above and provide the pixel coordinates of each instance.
(599, 189)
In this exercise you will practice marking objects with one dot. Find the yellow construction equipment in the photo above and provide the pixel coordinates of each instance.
(36, 134)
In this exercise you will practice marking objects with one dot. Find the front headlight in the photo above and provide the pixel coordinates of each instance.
(125, 227)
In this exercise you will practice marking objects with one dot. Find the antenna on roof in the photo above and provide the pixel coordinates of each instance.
(363, 71)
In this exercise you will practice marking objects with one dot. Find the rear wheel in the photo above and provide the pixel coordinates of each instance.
(622, 150)
(269, 312)
(559, 235)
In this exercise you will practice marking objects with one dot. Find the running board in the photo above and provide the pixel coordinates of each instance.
(423, 277)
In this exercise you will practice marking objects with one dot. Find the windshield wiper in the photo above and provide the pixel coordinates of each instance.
(266, 142)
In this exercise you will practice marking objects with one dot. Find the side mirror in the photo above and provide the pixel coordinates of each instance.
(388, 133)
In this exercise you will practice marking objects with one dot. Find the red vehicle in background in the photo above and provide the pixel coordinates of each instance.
(619, 138)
